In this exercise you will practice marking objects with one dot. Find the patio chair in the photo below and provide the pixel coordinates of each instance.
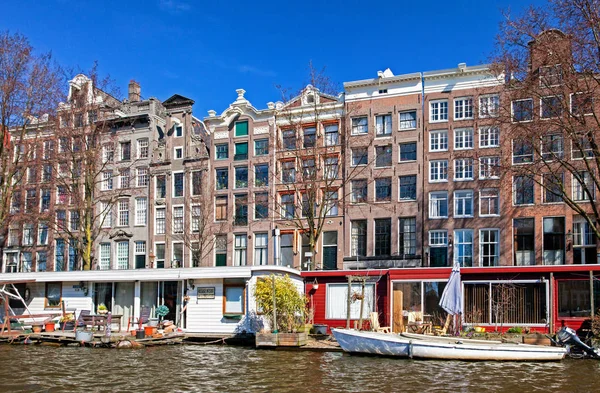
(443, 331)
(81, 319)
(144, 317)
(375, 324)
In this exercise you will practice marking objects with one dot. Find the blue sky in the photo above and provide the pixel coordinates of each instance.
(206, 50)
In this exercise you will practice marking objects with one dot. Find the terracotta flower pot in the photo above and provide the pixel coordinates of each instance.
(49, 327)
(36, 328)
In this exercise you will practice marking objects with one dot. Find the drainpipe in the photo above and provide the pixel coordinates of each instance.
(424, 203)
(551, 313)
(276, 239)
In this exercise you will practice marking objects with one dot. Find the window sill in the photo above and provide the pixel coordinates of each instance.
(233, 316)
(464, 216)
(438, 218)
(488, 215)
(467, 179)
(407, 129)
(406, 161)
(463, 118)
(489, 147)
(438, 121)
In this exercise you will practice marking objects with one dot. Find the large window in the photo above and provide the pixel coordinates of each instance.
(383, 241)
(261, 175)
(383, 125)
(463, 169)
(337, 304)
(489, 106)
(160, 255)
(438, 204)
(408, 120)
(261, 147)
(178, 219)
(360, 125)
(141, 207)
(123, 212)
(241, 177)
(463, 138)
(489, 168)
(408, 151)
(584, 242)
(261, 243)
(261, 205)
(359, 191)
(178, 179)
(408, 236)
(289, 139)
(463, 251)
(160, 221)
(123, 255)
(553, 186)
(331, 168)
(222, 151)
(522, 151)
(438, 171)
(359, 238)
(552, 147)
(241, 151)
(463, 203)
(360, 156)
(222, 177)
(574, 299)
(331, 135)
(221, 208)
(308, 168)
(142, 148)
(104, 256)
(310, 137)
(383, 156)
(551, 107)
(142, 177)
(288, 172)
(438, 111)
(522, 110)
(240, 250)
(438, 248)
(383, 189)
(241, 210)
(489, 253)
(287, 206)
(408, 187)
(161, 186)
(523, 188)
(286, 249)
(524, 242)
(438, 140)
(554, 240)
(463, 108)
(584, 188)
(489, 137)
(221, 250)
(330, 248)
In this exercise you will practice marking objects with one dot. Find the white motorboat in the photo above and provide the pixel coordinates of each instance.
(446, 348)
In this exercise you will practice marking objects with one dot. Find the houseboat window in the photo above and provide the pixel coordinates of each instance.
(234, 300)
(574, 298)
(433, 292)
(103, 293)
(53, 294)
(337, 301)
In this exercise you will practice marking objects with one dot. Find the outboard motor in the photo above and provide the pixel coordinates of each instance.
(567, 336)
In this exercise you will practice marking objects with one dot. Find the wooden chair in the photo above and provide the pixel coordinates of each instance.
(81, 319)
(375, 324)
(443, 331)
(144, 317)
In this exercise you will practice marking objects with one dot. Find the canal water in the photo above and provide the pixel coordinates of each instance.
(235, 369)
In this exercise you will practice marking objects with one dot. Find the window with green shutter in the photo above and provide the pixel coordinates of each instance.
(241, 128)
(241, 151)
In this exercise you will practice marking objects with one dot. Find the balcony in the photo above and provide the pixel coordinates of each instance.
(394, 261)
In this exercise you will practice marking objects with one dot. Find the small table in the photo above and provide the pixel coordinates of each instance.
(419, 327)
(101, 320)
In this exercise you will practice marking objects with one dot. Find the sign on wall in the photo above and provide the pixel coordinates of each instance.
(206, 293)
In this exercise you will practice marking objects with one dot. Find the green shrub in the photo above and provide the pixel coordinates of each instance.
(291, 304)
(515, 329)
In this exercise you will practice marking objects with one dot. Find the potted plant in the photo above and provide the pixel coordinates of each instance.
(67, 322)
(102, 309)
(49, 325)
(290, 308)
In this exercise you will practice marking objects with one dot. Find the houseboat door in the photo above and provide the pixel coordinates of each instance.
(398, 313)
(171, 297)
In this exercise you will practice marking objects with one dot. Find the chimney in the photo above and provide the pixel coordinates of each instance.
(135, 91)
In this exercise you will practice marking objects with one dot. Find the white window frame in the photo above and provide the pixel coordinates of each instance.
(486, 102)
(497, 198)
(261, 251)
(386, 126)
(437, 111)
(463, 138)
(489, 137)
(163, 220)
(438, 171)
(123, 261)
(142, 176)
(489, 167)
(363, 128)
(177, 149)
(465, 104)
(458, 243)
(178, 213)
(438, 140)
(240, 249)
(143, 145)
(104, 259)
(141, 211)
(512, 110)
(482, 243)
(461, 198)
(463, 169)
(578, 192)
(123, 214)
(173, 185)
(337, 292)
(400, 121)
(435, 200)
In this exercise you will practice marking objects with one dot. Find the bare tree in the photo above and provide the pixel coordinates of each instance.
(549, 113)
(311, 179)
(30, 87)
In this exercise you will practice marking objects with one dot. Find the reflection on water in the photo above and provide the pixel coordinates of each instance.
(233, 369)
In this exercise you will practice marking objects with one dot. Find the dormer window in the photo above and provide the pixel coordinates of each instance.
(310, 99)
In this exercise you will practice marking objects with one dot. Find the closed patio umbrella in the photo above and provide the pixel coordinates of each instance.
(451, 299)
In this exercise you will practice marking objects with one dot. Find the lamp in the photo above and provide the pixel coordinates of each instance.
(315, 284)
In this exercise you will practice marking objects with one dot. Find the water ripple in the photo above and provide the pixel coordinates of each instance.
(233, 369)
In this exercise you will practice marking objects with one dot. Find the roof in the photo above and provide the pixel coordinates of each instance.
(177, 100)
